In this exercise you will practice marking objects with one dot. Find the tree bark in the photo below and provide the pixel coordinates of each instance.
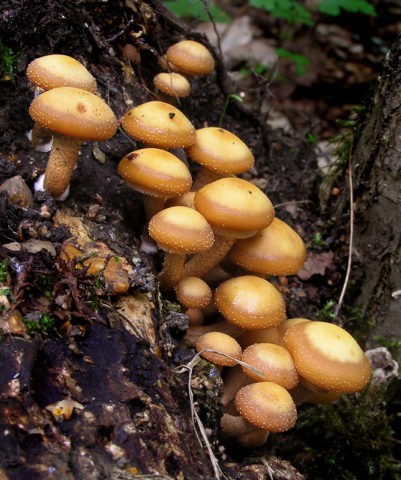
(377, 191)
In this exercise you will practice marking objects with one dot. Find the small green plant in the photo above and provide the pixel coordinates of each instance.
(198, 9)
(7, 61)
(46, 284)
(229, 98)
(3, 271)
(311, 139)
(317, 240)
(327, 312)
(44, 325)
(300, 61)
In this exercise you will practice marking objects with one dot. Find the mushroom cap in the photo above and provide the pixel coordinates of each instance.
(273, 361)
(173, 84)
(155, 172)
(74, 112)
(327, 356)
(275, 250)
(266, 405)
(159, 124)
(190, 57)
(193, 292)
(56, 70)
(234, 207)
(220, 151)
(222, 343)
(181, 230)
(250, 302)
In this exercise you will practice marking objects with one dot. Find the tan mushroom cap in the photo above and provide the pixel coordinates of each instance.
(56, 70)
(234, 207)
(74, 113)
(181, 230)
(222, 343)
(221, 151)
(273, 361)
(327, 356)
(193, 292)
(267, 405)
(250, 302)
(191, 58)
(159, 124)
(155, 172)
(275, 250)
(172, 84)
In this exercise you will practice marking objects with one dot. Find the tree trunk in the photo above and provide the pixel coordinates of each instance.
(377, 191)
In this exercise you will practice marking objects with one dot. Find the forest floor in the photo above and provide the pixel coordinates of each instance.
(81, 340)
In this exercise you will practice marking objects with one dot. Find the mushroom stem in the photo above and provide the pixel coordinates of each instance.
(194, 332)
(152, 205)
(235, 425)
(40, 135)
(62, 160)
(202, 263)
(205, 176)
(172, 270)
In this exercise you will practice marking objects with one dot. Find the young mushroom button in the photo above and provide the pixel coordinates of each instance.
(179, 231)
(190, 58)
(157, 174)
(73, 115)
(172, 84)
(159, 124)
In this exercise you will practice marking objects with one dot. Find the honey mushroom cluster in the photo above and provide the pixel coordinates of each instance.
(222, 242)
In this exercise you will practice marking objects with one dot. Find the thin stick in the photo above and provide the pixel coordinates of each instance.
(197, 422)
(351, 237)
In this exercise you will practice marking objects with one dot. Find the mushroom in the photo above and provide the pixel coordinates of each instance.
(327, 357)
(235, 208)
(157, 174)
(73, 115)
(159, 124)
(250, 302)
(179, 231)
(275, 250)
(261, 406)
(193, 292)
(190, 58)
(172, 84)
(52, 71)
(219, 348)
(57, 70)
(273, 362)
(220, 154)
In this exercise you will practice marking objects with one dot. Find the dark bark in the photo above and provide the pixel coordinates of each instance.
(376, 171)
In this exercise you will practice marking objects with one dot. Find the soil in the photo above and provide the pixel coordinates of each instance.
(123, 368)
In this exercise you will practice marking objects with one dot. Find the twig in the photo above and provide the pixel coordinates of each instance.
(197, 422)
(351, 236)
(293, 202)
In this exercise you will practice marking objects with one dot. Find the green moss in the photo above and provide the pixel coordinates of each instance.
(351, 439)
